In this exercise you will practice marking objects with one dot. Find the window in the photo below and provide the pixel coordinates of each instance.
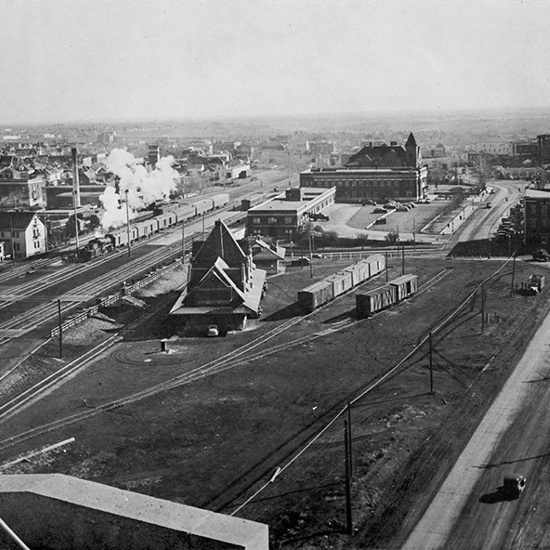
(271, 220)
(288, 220)
(256, 221)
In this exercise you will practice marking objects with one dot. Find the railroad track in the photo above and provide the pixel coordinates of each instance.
(229, 361)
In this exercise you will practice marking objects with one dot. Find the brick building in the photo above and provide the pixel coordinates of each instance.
(376, 172)
(283, 217)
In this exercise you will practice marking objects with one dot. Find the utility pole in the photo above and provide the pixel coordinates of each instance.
(513, 272)
(310, 257)
(60, 329)
(431, 367)
(414, 234)
(12, 239)
(386, 262)
(403, 259)
(183, 239)
(203, 227)
(350, 442)
(128, 224)
(482, 308)
(349, 519)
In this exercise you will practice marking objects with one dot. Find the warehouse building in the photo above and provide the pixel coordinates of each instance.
(376, 172)
(284, 216)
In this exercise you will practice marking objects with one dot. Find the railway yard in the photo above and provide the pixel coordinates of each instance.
(252, 424)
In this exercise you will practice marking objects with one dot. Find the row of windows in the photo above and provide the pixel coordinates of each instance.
(357, 183)
(273, 220)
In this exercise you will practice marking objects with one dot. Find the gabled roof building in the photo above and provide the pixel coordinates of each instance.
(23, 234)
(224, 286)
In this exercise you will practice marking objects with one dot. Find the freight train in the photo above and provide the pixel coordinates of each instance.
(322, 292)
(149, 223)
(395, 291)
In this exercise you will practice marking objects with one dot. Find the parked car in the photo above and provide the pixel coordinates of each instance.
(513, 486)
(300, 261)
(488, 205)
(368, 201)
(212, 331)
(541, 255)
(380, 221)
(380, 211)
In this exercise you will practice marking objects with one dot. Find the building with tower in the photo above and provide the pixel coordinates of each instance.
(375, 172)
(224, 286)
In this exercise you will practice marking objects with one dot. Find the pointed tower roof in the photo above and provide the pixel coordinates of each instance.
(411, 142)
(220, 244)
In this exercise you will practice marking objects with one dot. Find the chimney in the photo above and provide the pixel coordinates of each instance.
(76, 185)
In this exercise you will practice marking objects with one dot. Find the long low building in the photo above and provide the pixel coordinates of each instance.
(359, 184)
(284, 216)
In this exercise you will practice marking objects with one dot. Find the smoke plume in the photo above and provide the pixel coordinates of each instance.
(137, 185)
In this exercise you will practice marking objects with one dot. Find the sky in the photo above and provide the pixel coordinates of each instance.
(109, 60)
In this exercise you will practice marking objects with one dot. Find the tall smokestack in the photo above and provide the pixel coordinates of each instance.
(76, 186)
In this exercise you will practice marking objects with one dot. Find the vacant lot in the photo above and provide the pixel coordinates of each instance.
(215, 441)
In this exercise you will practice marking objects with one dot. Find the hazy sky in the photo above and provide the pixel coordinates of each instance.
(143, 59)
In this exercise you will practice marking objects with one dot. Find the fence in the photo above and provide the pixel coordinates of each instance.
(114, 298)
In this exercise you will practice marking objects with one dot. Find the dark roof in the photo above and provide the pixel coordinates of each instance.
(16, 220)
(220, 244)
(411, 142)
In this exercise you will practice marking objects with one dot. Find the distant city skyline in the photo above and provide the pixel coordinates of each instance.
(94, 60)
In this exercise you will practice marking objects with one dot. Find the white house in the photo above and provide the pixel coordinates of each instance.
(23, 234)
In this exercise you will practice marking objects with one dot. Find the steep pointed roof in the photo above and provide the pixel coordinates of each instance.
(220, 244)
(411, 142)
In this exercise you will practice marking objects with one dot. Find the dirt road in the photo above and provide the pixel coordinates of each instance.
(459, 499)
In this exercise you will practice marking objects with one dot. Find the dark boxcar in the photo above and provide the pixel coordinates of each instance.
(376, 300)
(316, 295)
(405, 286)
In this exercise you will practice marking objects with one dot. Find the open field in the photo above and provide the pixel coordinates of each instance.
(215, 441)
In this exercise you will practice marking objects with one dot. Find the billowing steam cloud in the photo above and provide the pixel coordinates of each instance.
(136, 185)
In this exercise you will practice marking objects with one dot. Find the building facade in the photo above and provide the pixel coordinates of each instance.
(284, 216)
(224, 286)
(23, 234)
(543, 148)
(376, 172)
(536, 217)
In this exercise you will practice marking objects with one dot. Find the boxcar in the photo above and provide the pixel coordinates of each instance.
(219, 200)
(253, 200)
(376, 263)
(166, 220)
(356, 273)
(376, 300)
(338, 284)
(347, 279)
(316, 295)
(405, 286)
